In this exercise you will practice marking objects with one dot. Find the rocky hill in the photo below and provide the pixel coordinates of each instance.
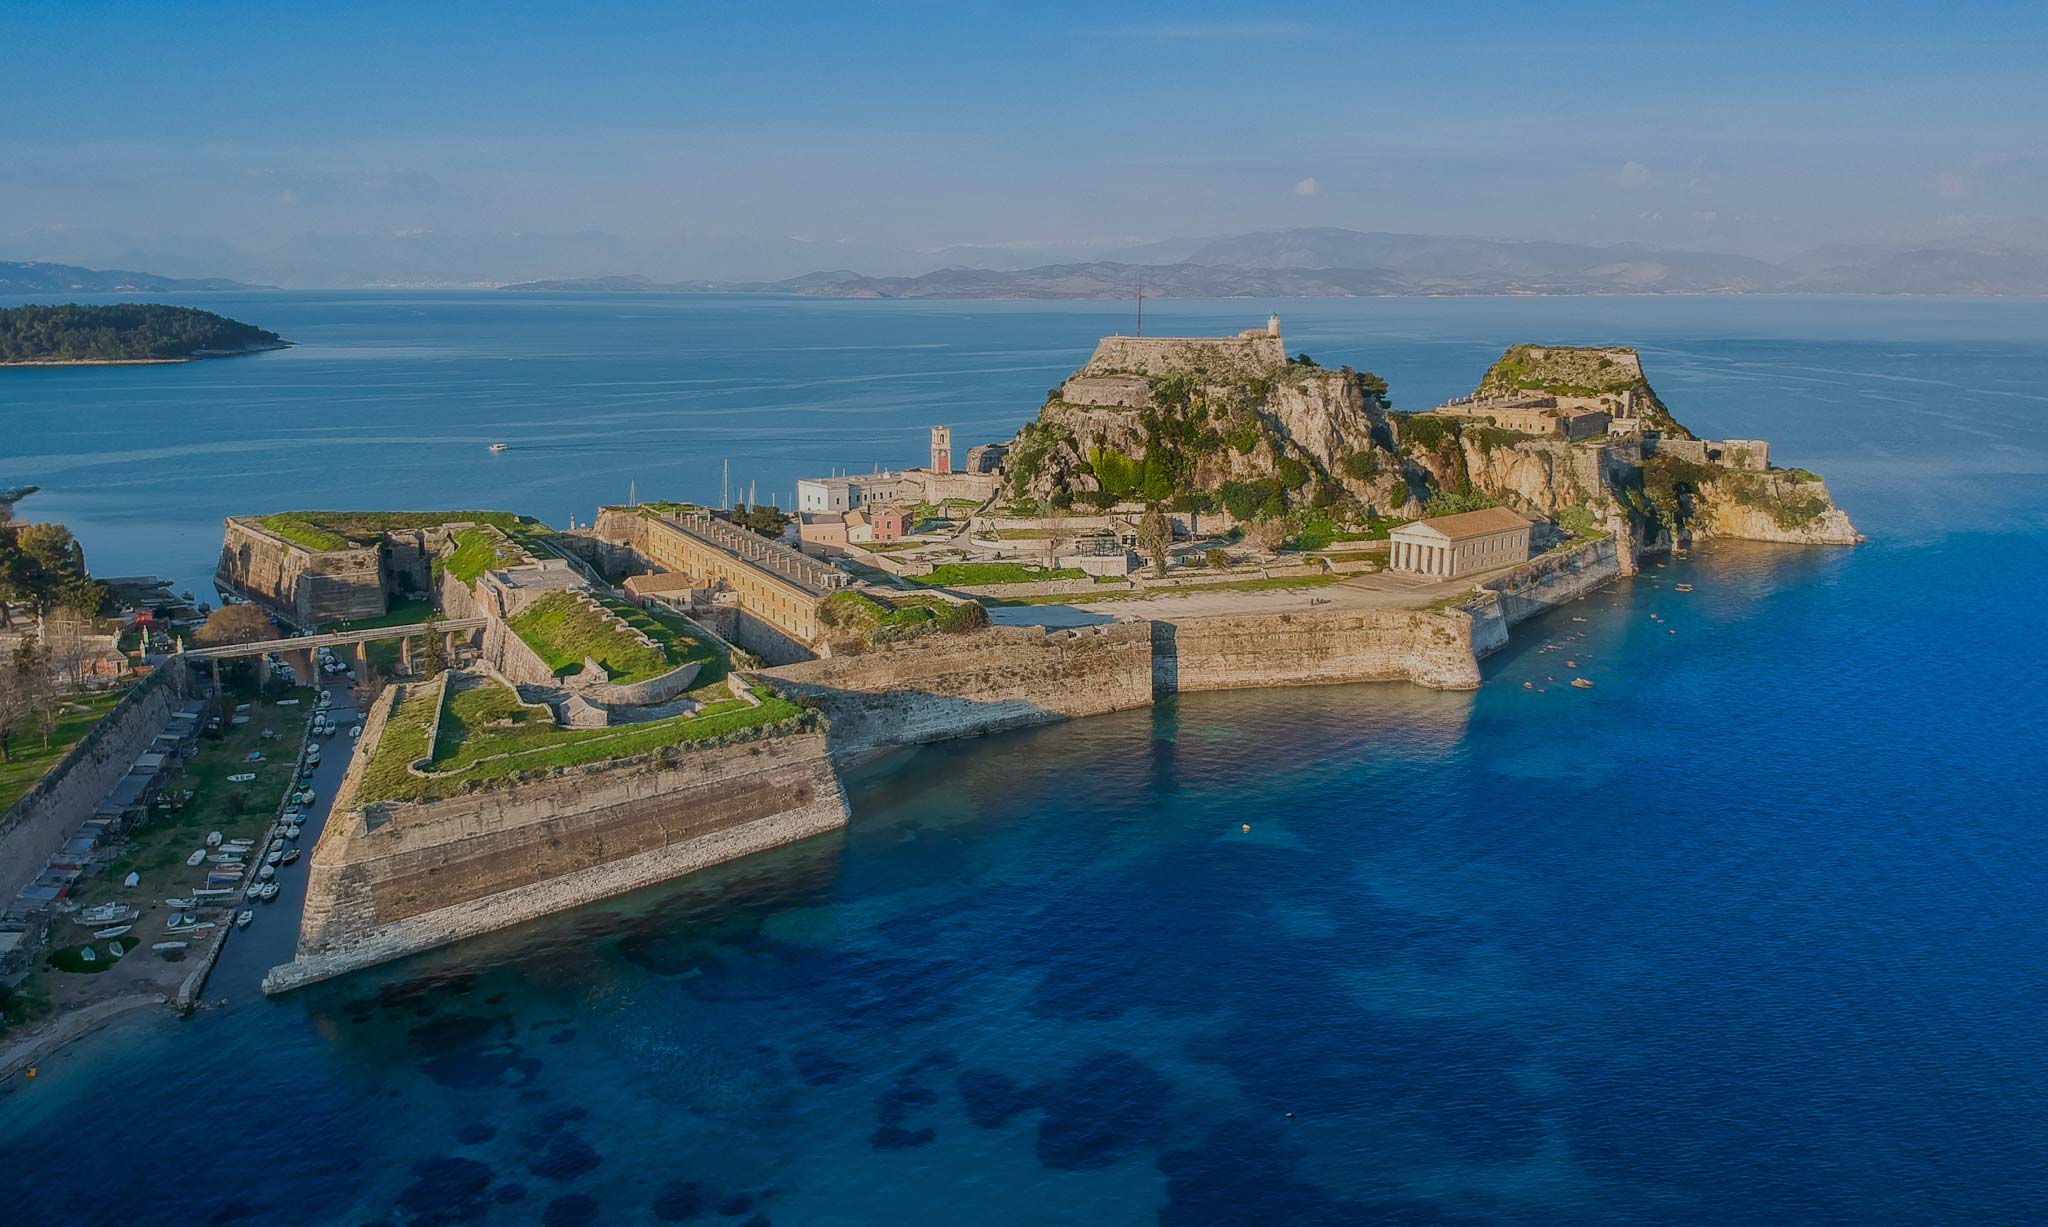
(1203, 423)
(1233, 423)
(1654, 486)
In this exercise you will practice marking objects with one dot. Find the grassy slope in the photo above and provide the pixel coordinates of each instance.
(477, 550)
(488, 721)
(563, 631)
(28, 759)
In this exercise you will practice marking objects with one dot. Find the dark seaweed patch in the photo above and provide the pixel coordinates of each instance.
(570, 1210)
(476, 1133)
(992, 1098)
(446, 1190)
(680, 1202)
(1100, 1111)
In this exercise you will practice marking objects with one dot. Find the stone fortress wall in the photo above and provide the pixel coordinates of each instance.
(36, 826)
(1255, 349)
(304, 587)
(386, 884)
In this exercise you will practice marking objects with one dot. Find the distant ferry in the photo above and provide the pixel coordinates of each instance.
(499, 447)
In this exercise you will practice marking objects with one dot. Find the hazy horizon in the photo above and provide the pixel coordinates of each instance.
(727, 143)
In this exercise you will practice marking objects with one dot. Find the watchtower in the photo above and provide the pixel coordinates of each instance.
(1273, 324)
(942, 449)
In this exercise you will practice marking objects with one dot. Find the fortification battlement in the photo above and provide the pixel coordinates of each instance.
(1254, 349)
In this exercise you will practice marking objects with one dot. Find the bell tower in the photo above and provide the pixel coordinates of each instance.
(942, 449)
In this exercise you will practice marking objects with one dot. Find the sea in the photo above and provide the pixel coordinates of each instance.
(1753, 932)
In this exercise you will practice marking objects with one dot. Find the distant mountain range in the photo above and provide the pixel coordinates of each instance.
(1301, 263)
(1332, 263)
(35, 277)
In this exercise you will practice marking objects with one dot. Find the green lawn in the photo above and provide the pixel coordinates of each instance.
(488, 721)
(681, 641)
(478, 550)
(563, 632)
(399, 613)
(28, 758)
(336, 530)
(954, 574)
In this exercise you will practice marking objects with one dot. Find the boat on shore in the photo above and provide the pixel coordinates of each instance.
(198, 855)
(116, 931)
(168, 949)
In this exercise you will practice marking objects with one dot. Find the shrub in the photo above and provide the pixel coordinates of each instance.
(1362, 465)
(1293, 473)
(958, 619)
(1217, 559)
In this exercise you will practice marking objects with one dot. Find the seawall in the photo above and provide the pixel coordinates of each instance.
(394, 881)
(1319, 647)
(1540, 585)
(944, 686)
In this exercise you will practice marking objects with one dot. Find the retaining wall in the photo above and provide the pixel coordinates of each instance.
(305, 587)
(36, 826)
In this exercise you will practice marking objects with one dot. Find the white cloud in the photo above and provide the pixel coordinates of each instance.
(1634, 176)
(1306, 187)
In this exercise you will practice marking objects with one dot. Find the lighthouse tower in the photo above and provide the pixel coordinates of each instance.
(942, 449)
(1273, 324)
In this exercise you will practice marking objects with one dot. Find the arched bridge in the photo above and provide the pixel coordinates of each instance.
(333, 639)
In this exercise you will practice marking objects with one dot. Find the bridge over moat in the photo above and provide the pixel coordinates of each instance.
(302, 650)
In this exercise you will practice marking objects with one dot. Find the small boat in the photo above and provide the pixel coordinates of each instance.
(168, 949)
(213, 840)
(191, 926)
(273, 858)
(107, 914)
(266, 873)
(287, 702)
(204, 893)
(499, 447)
(241, 777)
(243, 918)
(1685, 587)
(196, 857)
(1582, 683)
(85, 955)
(178, 904)
(292, 831)
(267, 891)
(132, 880)
(290, 855)
(116, 931)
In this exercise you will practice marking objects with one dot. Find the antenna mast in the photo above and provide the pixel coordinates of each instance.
(725, 486)
(1141, 310)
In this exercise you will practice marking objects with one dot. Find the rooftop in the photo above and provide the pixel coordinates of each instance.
(1466, 524)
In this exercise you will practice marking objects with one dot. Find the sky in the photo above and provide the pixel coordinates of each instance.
(198, 131)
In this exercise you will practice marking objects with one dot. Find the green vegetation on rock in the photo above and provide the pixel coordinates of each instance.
(123, 332)
(28, 758)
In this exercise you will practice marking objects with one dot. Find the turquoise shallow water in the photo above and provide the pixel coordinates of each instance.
(1751, 933)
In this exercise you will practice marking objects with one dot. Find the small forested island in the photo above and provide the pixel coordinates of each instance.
(123, 333)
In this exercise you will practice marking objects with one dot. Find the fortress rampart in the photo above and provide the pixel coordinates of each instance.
(1254, 350)
(305, 587)
(1235, 652)
(387, 884)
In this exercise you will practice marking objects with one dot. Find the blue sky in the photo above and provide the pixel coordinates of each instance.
(1744, 127)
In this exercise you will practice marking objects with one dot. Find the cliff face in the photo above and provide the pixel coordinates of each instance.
(1285, 433)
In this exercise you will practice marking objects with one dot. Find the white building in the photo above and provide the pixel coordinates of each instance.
(1450, 546)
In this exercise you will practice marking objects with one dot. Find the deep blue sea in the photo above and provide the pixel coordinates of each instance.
(1755, 932)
